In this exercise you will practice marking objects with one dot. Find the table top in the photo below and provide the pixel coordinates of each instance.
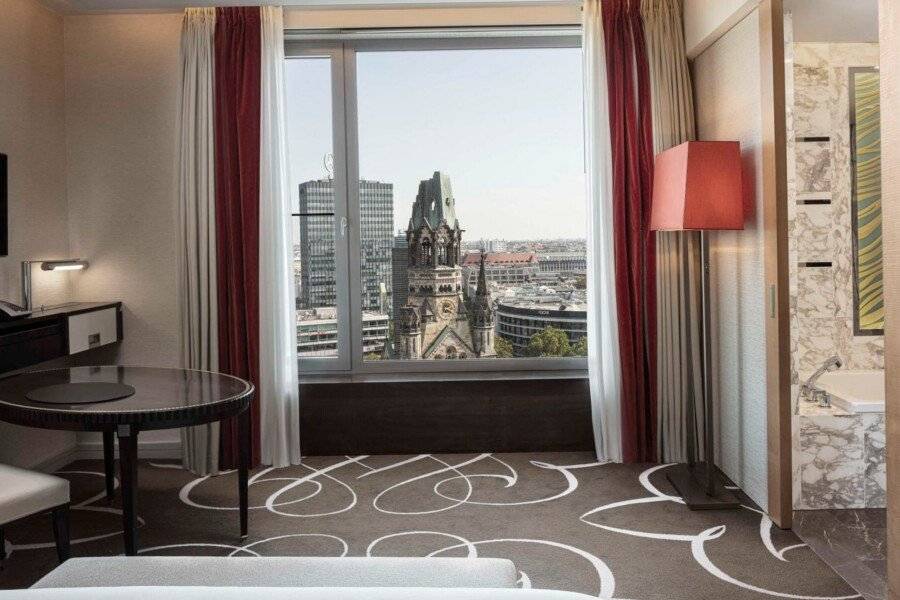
(163, 398)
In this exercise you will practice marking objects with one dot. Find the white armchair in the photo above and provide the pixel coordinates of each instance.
(24, 493)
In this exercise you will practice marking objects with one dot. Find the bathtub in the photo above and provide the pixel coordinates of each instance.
(855, 391)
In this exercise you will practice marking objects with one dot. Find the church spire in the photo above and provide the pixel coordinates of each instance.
(482, 281)
(483, 315)
(483, 312)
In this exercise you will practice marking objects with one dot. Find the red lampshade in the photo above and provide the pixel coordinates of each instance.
(697, 185)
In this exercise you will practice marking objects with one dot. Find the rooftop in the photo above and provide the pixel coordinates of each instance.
(557, 304)
(328, 315)
(499, 258)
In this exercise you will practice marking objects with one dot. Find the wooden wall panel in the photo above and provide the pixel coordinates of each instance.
(550, 415)
(775, 208)
(889, 25)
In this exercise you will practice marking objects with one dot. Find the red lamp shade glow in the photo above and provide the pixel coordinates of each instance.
(697, 186)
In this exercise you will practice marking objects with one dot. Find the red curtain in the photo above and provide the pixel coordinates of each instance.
(630, 123)
(237, 108)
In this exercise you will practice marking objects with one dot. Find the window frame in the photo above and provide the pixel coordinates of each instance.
(342, 46)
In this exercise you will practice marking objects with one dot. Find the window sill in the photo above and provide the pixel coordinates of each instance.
(333, 377)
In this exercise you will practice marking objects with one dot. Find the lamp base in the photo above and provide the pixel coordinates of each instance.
(690, 483)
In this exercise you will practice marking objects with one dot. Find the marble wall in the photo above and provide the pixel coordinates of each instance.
(819, 205)
(838, 457)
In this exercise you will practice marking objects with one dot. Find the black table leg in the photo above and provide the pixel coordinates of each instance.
(109, 462)
(60, 516)
(128, 435)
(245, 443)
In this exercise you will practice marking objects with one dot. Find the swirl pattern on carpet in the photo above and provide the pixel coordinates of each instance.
(567, 522)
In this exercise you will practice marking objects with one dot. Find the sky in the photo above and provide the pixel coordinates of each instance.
(505, 125)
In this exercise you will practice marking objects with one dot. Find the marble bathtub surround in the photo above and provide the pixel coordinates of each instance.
(839, 459)
(875, 466)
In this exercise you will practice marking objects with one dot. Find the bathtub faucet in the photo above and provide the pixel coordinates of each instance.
(809, 387)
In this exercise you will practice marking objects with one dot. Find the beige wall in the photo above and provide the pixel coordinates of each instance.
(727, 88)
(122, 78)
(706, 20)
(889, 24)
(32, 134)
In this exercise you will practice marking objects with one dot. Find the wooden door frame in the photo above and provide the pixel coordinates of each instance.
(889, 46)
(775, 222)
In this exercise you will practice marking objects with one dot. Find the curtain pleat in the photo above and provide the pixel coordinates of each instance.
(632, 186)
(604, 368)
(679, 368)
(237, 118)
(279, 402)
(197, 225)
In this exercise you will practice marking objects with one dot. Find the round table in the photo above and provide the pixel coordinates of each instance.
(162, 399)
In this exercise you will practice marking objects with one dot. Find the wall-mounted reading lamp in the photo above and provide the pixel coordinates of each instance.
(67, 264)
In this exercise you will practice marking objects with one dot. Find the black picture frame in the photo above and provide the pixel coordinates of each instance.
(4, 206)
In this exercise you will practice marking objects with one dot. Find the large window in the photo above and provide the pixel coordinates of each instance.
(439, 219)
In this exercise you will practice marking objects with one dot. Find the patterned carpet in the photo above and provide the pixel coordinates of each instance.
(611, 531)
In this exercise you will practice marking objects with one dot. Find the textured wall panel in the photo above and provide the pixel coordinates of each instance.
(728, 105)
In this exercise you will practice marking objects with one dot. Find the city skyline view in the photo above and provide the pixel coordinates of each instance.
(426, 292)
(511, 181)
(491, 141)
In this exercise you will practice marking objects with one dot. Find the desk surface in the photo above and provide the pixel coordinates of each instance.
(163, 398)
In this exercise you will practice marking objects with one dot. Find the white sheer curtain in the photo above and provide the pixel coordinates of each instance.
(197, 224)
(279, 400)
(603, 338)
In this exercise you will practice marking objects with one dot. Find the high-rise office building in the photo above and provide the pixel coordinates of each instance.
(317, 223)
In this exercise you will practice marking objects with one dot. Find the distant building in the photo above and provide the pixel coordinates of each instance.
(518, 320)
(490, 245)
(400, 281)
(434, 323)
(317, 332)
(317, 223)
(563, 262)
(504, 268)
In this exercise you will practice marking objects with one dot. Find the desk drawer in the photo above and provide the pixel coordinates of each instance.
(92, 329)
(29, 347)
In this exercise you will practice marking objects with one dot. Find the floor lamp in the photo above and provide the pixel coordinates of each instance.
(697, 187)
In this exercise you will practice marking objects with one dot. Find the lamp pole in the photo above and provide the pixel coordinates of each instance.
(697, 483)
(709, 429)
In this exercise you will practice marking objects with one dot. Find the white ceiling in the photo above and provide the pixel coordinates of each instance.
(834, 20)
(103, 6)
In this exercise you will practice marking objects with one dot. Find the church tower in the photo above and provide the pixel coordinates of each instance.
(434, 324)
(483, 316)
